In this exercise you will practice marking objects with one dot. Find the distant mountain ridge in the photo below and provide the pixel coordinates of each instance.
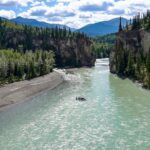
(96, 29)
(35, 23)
(103, 28)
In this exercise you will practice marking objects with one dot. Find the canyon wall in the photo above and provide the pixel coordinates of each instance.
(130, 57)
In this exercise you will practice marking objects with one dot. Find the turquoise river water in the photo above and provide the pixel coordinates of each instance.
(116, 115)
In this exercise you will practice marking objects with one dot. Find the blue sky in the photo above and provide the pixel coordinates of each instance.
(74, 13)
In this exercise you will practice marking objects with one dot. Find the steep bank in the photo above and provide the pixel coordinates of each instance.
(23, 90)
(71, 49)
(131, 55)
(72, 52)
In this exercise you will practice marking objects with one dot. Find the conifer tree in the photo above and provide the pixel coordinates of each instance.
(130, 69)
(127, 25)
(148, 61)
(120, 25)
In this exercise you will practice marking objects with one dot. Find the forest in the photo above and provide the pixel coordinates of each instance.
(102, 45)
(134, 62)
(140, 21)
(27, 52)
(23, 37)
(17, 66)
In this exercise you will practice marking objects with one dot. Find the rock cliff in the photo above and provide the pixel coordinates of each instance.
(130, 56)
(69, 52)
(72, 52)
(71, 49)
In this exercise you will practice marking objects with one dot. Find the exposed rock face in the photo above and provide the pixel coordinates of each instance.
(112, 62)
(73, 53)
(145, 40)
(133, 41)
(69, 52)
(131, 56)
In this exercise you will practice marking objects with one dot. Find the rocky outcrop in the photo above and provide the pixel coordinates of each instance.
(72, 49)
(132, 41)
(130, 54)
(69, 51)
(73, 53)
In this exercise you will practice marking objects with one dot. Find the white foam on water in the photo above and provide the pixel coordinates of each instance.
(67, 76)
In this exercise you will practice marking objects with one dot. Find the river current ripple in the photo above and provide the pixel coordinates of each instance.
(116, 115)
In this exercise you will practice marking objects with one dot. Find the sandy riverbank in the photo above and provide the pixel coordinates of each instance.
(19, 91)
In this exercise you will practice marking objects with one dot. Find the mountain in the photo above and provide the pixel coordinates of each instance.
(97, 29)
(3, 19)
(35, 23)
(102, 28)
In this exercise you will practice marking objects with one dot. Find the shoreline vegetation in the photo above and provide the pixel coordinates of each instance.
(17, 92)
(29, 54)
(18, 66)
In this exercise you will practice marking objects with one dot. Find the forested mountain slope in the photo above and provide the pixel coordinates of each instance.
(36, 23)
(70, 49)
(102, 45)
(102, 28)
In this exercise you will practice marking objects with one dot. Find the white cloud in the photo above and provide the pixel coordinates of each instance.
(62, 12)
(10, 3)
(38, 3)
(131, 7)
(7, 14)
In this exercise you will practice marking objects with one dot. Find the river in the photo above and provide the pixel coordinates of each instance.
(115, 115)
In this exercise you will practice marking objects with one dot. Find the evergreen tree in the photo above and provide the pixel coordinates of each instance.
(130, 22)
(120, 25)
(15, 66)
(127, 26)
(148, 61)
(69, 32)
(130, 66)
(64, 32)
